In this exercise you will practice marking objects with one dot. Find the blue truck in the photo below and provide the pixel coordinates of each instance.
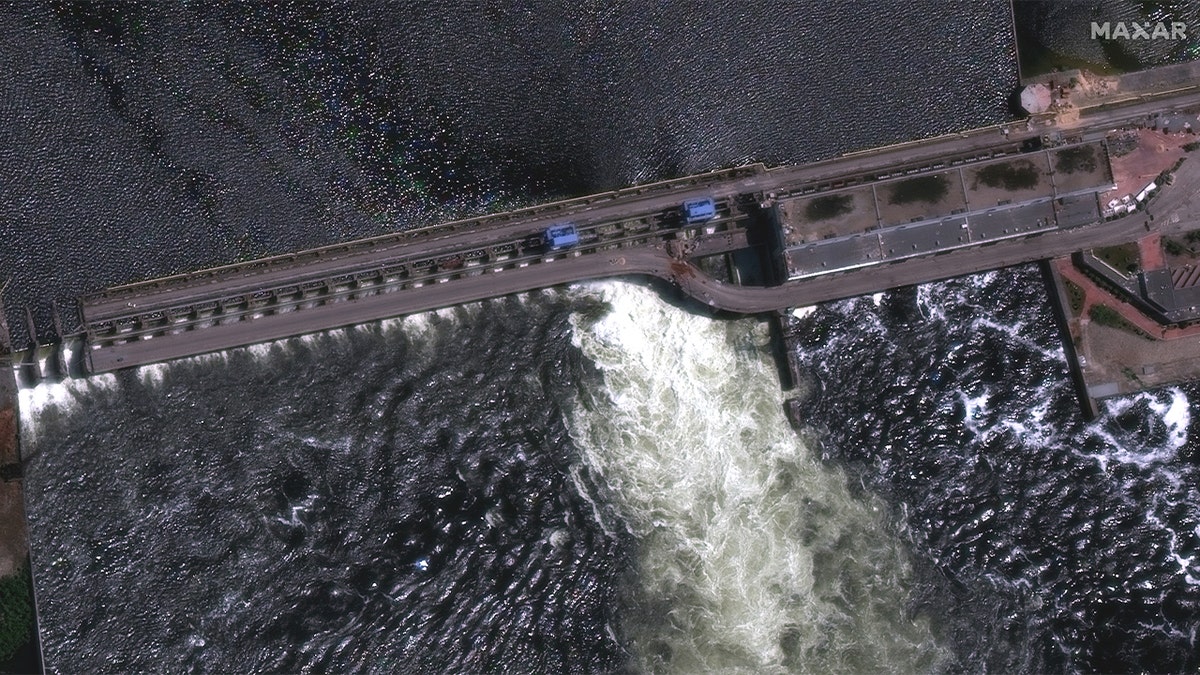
(561, 235)
(699, 210)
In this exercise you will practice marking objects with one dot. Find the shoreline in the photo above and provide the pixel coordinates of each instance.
(16, 563)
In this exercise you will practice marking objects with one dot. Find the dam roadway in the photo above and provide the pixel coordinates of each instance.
(631, 232)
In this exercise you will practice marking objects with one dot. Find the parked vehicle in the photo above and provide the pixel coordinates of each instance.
(561, 235)
(699, 210)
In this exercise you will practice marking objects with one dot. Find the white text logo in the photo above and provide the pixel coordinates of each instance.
(1176, 30)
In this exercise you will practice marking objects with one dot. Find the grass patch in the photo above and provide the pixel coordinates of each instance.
(1107, 316)
(1079, 158)
(16, 613)
(1074, 297)
(830, 206)
(1123, 258)
(928, 189)
(1010, 176)
(1189, 245)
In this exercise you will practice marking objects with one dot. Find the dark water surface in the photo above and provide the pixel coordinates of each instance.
(564, 481)
(359, 500)
(153, 140)
(1068, 546)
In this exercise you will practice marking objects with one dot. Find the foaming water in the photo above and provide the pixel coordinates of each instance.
(406, 497)
(49, 398)
(752, 555)
(1068, 546)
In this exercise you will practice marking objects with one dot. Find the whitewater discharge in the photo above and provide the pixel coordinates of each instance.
(752, 555)
(48, 398)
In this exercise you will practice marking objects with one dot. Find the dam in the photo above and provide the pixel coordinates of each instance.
(852, 225)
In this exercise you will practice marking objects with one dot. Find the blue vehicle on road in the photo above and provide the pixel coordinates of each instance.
(561, 235)
(699, 210)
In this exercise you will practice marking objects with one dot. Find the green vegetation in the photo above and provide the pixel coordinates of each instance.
(1123, 257)
(1167, 177)
(16, 613)
(831, 206)
(1012, 176)
(928, 189)
(1107, 316)
(1188, 246)
(1191, 147)
(1074, 297)
(716, 266)
(1078, 158)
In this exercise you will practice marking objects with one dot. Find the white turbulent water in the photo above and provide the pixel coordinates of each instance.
(753, 556)
(1077, 542)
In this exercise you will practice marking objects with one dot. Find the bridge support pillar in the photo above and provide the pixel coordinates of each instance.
(29, 373)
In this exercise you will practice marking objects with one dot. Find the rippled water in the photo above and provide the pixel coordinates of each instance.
(158, 139)
(577, 503)
(1066, 29)
(365, 499)
(1069, 546)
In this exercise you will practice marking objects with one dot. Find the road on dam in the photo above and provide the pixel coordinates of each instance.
(663, 248)
(652, 261)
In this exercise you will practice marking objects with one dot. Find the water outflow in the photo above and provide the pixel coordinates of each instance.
(752, 555)
(544, 483)
(1068, 546)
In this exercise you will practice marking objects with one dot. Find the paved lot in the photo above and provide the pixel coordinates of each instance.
(1000, 223)
(835, 254)
(925, 238)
